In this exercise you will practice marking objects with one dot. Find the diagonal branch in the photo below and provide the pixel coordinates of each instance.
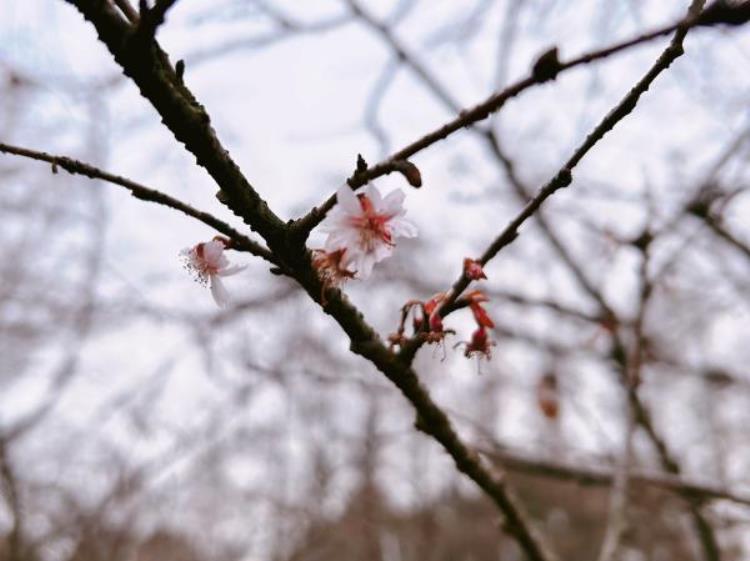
(139, 191)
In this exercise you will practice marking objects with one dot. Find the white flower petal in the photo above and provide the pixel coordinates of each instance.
(347, 238)
(334, 221)
(372, 193)
(231, 270)
(364, 265)
(393, 204)
(348, 201)
(381, 251)
(401, 227)
(213, 253)
(219, 292)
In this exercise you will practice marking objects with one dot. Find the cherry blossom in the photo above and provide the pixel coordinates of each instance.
(366, 225)
(209, 264)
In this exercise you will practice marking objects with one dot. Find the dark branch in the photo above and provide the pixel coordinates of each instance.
(239, 241)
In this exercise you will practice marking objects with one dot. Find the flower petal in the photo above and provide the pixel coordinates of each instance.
(372, 193)
(231, 270)
(219, 292)
(343, 238)
(401, 227)
(213, 253)
(393, 204)
(347, 200)
(364, 265)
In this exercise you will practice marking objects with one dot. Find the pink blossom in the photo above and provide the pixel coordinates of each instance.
(366, 225)
(208, 263)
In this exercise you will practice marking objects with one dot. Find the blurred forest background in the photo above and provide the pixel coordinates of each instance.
(140, 422)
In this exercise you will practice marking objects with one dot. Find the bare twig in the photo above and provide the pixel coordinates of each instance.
(513, 461)
(139, 191)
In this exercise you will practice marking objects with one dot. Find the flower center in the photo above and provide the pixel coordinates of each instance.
(203, 265)
(373, 227)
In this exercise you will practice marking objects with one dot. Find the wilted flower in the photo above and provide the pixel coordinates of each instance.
(480, 344)
(432, 309)
(331, 266)
(476, 298)
(208, 263)
(548, 396)
(365, 225)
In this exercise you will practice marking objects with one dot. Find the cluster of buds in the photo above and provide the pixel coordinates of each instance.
(426, 321)
(427, 317)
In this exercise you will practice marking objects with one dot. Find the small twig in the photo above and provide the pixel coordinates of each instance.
(718, 229)
(239, 241)
(152, 18)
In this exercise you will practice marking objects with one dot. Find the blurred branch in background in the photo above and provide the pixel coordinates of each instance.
(135, 424)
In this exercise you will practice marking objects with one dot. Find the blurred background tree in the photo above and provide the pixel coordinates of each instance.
(137, 421)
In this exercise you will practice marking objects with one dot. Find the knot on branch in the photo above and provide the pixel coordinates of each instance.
(643, 241)
(726, 13)
(564, 178)
(547, 66)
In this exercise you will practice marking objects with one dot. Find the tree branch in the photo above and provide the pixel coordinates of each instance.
(149, 68)
(564, 176)
(75, 167)
(599, 477)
